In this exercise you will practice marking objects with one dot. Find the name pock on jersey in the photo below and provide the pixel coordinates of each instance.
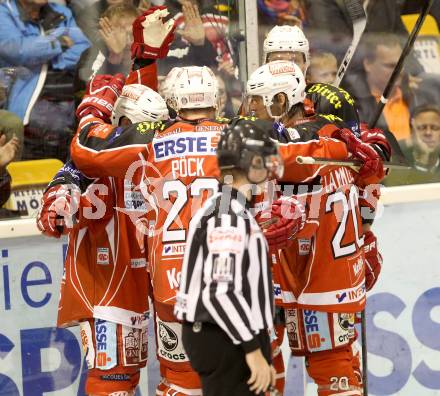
(187, 143)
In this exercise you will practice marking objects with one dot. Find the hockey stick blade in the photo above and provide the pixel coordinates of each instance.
(397, 157)
(352, 163)
(359, 19)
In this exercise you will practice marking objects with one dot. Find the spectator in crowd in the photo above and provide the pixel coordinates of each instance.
(422, 149)
(200, 36)
(88, 17)
(42, 41)
(381, 53)
(116, 33)
(8, 151)
(10, 124)
(330, 24)
(282, 12)
(323, 68)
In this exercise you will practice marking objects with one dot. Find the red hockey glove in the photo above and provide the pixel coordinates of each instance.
(373, 260)
(377, 138)
(287, 218)
(372, 164)
(102, 92)
(57, 213)
(152, 36)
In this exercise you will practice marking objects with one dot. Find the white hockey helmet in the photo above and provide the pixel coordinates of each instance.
(287, 39)
(167, 87)
(139, 103)
(274, 78)
(195, 88)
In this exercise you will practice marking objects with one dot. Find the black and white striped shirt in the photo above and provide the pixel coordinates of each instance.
(226, 276)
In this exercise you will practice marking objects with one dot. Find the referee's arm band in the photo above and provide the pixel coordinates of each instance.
(251, 345)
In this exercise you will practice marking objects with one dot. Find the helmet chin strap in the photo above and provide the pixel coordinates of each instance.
(269, 111)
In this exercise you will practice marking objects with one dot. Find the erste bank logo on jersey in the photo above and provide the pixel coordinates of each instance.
(189, 143)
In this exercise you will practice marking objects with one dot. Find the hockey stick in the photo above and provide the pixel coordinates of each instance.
(364, 353)
(397, 151)
(97, 63)
(351, 163)
(359, 18)
(396, 72)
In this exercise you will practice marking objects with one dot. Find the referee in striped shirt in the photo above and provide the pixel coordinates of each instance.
(226, 295)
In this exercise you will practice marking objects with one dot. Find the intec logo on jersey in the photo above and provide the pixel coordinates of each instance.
(351, 295)
(102, 256)
(188, 143)
(139, 320)
(175, 249)
(317, 331)
(341, 297)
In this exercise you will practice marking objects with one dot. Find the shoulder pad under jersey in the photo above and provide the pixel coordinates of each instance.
(307, 130)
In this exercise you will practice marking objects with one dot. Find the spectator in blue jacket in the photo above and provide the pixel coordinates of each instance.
(42, 42)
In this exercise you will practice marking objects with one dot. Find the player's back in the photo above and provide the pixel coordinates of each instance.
(183, 173)
(328, 268)
(106, 266)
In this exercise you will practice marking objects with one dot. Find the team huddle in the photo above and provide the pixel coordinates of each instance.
(212, 227)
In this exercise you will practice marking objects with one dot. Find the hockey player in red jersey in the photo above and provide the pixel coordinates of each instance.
(179, 173)
(323, 272)
(105, 285)
(290, 43)
(94, 151)
(179, 170)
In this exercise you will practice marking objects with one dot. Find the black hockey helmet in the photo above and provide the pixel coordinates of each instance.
(242, 140)
(330, 100)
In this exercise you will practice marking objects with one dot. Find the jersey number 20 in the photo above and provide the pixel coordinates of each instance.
(350, 208)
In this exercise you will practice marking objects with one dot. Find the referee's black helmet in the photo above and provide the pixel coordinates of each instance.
(242, 140)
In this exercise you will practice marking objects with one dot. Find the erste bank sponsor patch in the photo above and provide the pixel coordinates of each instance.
(317, 330)
(187, 143)
(106, 346)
